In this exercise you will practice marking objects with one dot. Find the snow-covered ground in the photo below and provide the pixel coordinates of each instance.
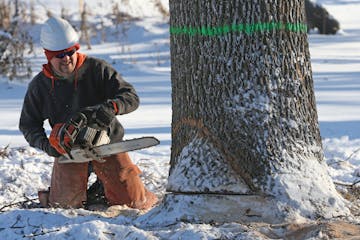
(144, 60)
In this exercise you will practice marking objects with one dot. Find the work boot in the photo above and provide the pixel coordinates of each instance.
(122, 184)
(44, 197)
(95, 194)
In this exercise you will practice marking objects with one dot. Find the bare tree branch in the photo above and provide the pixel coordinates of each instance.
(17, 203)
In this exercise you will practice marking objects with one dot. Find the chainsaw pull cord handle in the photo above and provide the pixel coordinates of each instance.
(78, 121)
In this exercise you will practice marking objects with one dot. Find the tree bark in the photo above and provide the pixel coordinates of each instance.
(244, 111)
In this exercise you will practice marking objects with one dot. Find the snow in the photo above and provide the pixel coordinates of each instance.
(307, 197)
(144, 60)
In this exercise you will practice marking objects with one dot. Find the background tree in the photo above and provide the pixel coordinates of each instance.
(84, 28)
(245, 132)
(14, 41)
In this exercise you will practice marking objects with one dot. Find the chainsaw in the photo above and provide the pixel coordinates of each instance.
(83, 143)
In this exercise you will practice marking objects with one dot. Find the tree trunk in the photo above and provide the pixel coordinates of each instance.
(244, 114)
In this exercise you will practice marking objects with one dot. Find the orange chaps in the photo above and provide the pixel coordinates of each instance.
(120, 178)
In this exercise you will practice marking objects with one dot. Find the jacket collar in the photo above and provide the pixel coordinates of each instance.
(48, 72)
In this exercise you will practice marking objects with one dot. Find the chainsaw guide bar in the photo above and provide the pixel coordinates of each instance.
(80, 155)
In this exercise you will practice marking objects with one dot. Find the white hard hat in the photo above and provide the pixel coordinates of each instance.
(57, 34)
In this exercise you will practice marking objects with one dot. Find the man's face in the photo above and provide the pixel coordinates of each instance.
(64, 63)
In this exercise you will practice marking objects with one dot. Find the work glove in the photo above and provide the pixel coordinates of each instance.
(50, 150)
(100, 115)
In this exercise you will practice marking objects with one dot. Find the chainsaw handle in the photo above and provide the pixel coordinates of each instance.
(63, 135)
(78, 120)
(71, 129)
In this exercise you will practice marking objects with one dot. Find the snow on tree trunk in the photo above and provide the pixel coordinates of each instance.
(244, 113)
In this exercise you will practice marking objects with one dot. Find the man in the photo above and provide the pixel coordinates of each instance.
(69, 83)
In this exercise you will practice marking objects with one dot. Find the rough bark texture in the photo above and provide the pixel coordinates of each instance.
(249, 95)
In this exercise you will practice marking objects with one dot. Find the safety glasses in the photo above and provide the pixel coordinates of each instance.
(63, 54)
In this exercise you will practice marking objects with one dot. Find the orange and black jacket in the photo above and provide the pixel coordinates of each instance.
(55, 100)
